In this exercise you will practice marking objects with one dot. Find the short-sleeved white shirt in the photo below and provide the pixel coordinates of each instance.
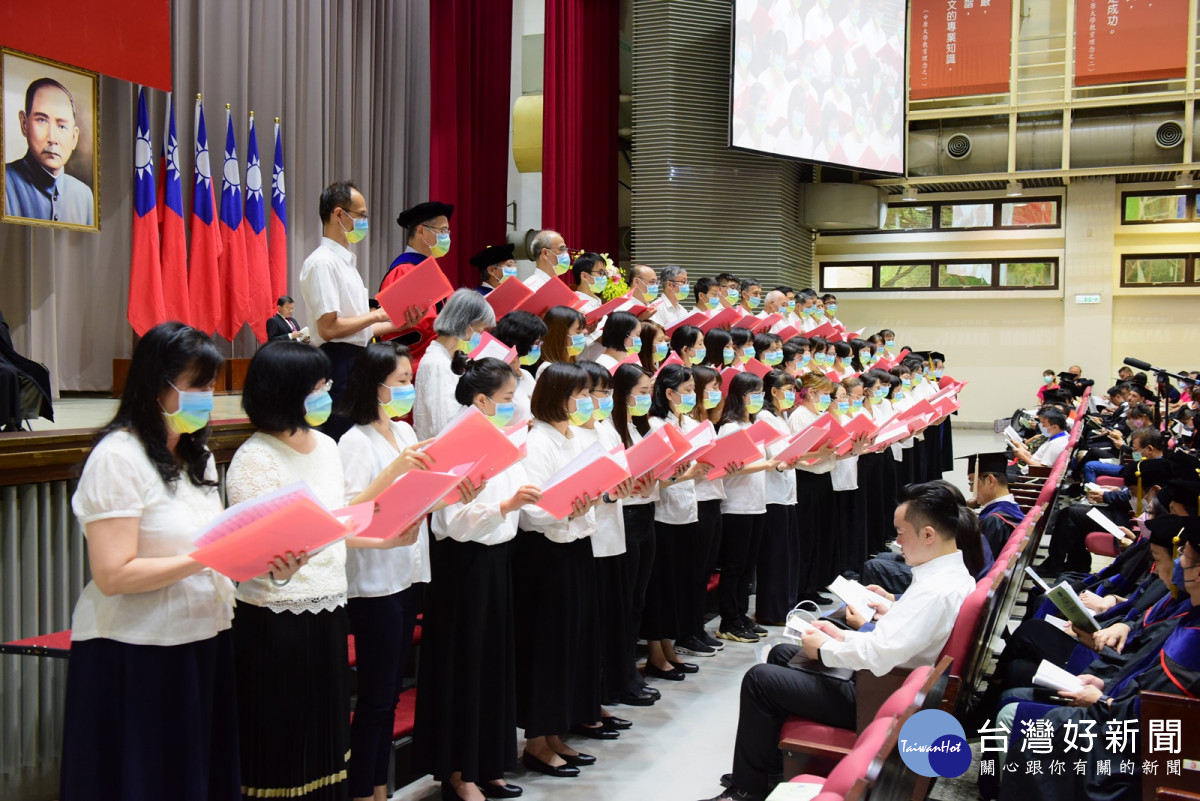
(330, 282)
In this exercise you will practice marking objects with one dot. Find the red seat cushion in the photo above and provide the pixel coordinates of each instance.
(54, 641)
(805, 730)
(962, 636)
(905, 695)
(1110, 481)
(1102, 543)
(854, 765)
(406, 711)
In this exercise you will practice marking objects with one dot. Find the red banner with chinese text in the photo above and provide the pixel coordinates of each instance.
(959, 47)
(1120, 41)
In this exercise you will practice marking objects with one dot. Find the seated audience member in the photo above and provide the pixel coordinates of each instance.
(281, 325)
(1049, 382)
(24, 385)
(1113, 443)
(1053, 425)
(912, 633)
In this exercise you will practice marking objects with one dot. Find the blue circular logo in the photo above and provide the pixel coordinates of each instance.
(933, 743)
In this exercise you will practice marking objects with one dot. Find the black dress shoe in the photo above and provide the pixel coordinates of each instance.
(538, 766)
(686, 667)
(638, 699)
(579, 759)
(615, 723)
(449, 793)
(505, 790)
(674, 674)
(652, 691)
(600, 732)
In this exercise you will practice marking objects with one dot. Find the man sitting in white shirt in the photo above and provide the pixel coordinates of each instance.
(1053, 424)
(912, 632)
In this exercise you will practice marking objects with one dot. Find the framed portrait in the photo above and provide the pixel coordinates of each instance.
(51, 143)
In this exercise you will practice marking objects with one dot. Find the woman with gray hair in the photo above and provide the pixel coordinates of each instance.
(458, 327)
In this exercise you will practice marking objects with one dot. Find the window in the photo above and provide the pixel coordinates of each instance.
(1157, 207)
(986, 215)
(965, 274)
(1158, 269)
(909, 218)
(966, 215)
(1020, 214)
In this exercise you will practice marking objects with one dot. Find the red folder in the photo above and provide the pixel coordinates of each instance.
(679, 441)
(472, 433)
(737, 447)
(508, 296)
(830, 422)
(673, 358)
(763, 433)
(696, 318)
(590, 474)
(788, 332)
(616, 304)
(757, 368)
(834, 377)
(890, 432)
(630, 359)
(804, 443)
(747, 321)
(699, 440)
(725, 318)
(766, 323)
(654, 449)
(946, 405)
(727, 376)
(408, 500)
(552, 293)
(860, 425)
(824, 330)
(423, 286)
(490, 347)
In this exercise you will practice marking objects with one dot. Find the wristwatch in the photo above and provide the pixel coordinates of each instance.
(608, 499)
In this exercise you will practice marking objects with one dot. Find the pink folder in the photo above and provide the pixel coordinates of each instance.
(654, 449)
(591, 478)
(472, 435)
(824, 330)
(804, 443)
(765, 324)
(679, 441)
(408, 500)
(699, 440)
(552, 293)
(623, 303)
(757, 368)
(630, 359)
(508, 296)
(423, 286)
(858, 426)
(834, 377)
(788, 332)
(246, 551)
(725, 318)
(673, 358)
(890, 432)
(763, 433)
(737, 447)
(696, 318)
(492, 348)
(727, 376)
(747, 321)
(830, 422)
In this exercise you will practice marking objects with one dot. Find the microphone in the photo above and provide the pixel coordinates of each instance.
(1138, 363)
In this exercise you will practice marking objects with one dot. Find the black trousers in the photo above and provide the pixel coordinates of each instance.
(888, 570)
(772, 692)
(740, 540)
(638, 560)
(342, 355)
(708, 543)
(1068, 541)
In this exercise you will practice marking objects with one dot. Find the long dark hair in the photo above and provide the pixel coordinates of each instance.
(625, 379)
(685, 336)
(167, 354)
(374, 363)
(650, 332)
(714, 346)
(705, 376)
(776, 379)
(673, 376)
(735, 399)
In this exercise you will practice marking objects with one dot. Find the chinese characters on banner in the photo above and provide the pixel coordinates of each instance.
(1068, 748)
(959, 47)
(1119, 41)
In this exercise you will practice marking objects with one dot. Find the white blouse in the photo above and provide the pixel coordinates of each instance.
(435, 405)
(635, 437)
(547, 452)
(374, 573)
(264, 464)
(676, 500)
(606, 361)
(845, 469)
(523, 397)
(744, 494)
(781, 487)
(800, 419)
(481, 521)
(609, 539)
(119, 480)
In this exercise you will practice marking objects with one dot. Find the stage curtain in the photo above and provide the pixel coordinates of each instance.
(579, 127)
(470, 54)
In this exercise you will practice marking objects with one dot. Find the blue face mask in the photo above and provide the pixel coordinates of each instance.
(641, 405)
(317, 407)
(699, 355)
(712, 398)
(747, 353)
(1045, 431)
(843, 406)
(503, 414)
(401, 402)
(856, 403)
(604, 407)
(584, 409)
(440, 249)
(789, 399)
(805, 359)
(534, 354)
(635, 345)
(831, 308)
(686, 403)
(466, 346)
(683, 291)
(731, 294)
(508, 272)
(822, 402)
(652, 292)
(753, 302)
(773, 357)
(564, 263)
(938, 373)
(754, 406)
(599, 282)
(728, 355)
(660, 351)
(711, 302)
(578, 342)
(195, 407)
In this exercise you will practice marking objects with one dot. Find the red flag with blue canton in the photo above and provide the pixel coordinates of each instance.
(204, 278)
(278, 248)
(258, 267)
(235, 283)
(173, 245)
(145, 273)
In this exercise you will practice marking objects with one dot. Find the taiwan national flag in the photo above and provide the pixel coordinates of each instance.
(145, 272)
(278, 251)
(235, 283)
(173, 249)
(204, 278)
(258, 267)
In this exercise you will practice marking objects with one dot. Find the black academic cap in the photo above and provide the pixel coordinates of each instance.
(936, 356)
(921, 354)
(1164, 528)
(492, 254)
(1185, 493)
(1065, 376)
(1155, 472)
(988, 462)
(1191, 532)
(1186, 465)
(424, 212)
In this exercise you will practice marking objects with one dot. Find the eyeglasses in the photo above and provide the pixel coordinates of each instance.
(358, 215)
(445, 229)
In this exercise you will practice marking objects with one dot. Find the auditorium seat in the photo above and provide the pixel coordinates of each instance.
(1101, 543)
(1110, 481)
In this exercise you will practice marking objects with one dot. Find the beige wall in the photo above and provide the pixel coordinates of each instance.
(1002, 341)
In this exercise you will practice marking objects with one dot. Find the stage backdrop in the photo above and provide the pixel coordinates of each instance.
(1118, 41)
(957, 49)
(351, 84)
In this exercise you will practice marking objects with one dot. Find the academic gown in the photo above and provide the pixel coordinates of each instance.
(417, 339)
(997, 521)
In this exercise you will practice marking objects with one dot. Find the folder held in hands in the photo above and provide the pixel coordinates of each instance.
(423, 286)
(591, 473)
(472, 433)
(736, 448)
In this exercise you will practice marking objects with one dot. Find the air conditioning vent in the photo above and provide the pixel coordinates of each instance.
(1168, 135)
(958, 146)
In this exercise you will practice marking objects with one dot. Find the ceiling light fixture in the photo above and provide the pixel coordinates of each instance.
(1186, 180)
(910, 194)
(1014, 189)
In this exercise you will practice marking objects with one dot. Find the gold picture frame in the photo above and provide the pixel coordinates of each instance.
(51, 186)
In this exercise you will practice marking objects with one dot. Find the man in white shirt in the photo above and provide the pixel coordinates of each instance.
(1053, 424)
(550, 258)
(912, 632)
(830, 303)
(675, 284)
(333, 289)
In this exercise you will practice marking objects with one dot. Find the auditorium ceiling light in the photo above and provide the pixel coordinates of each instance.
(910, 193)
(1186, 180)
(1014, 189)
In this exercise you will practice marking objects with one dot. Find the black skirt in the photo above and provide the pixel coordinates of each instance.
(778, 572)
(878, 501)
(554, 603)
(815, 517)
(668, 594)
(293, 679)
(614, 640)
(147, 722)
(849, 540)
(466, 709)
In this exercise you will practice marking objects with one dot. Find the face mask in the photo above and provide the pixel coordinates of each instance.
(402, 400)
(822, 403)
(660, 351)
(563, 264)
(889, 345)
(468, 345)
(599, 282)
(1045, 431)
(789, 399)
(843, 407)
(1136, 424)
(584, 409)
(358, 231)
(906, 383)
(805, 359)
(917, 378)
(508, 272)
(864, 357)
(728, 355)
(503, 415)
(1137, 456)
(317, 407)
(831, 308)
(652, 292)
(753, 302)
(756, 403)
(699, 355)
(195, 407)
(791, 306)
(880, 394)
(812, 311)
(686, 403)
(634, 346)
(938, 373)
(747, 353)
(604, 408)
(1177, 575)
(857, 403)
(683, 291)
(712, 398)
(773, 357)
(641, 405)
(578, 341)
(711, 302)
(1047, 380)
(534, 354)
(731, 294)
